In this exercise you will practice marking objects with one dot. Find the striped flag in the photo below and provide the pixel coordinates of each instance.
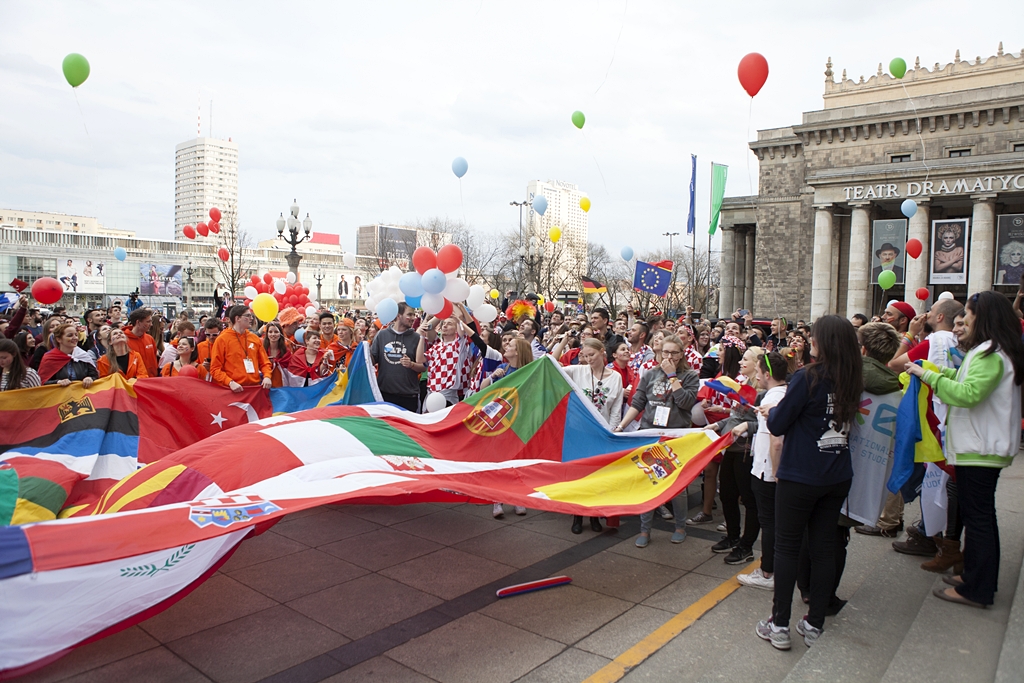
(591, 286)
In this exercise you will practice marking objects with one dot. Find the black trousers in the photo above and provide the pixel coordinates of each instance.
(803, 576)
(764, 493)
(814, 509)
(410, 402)
(976, 489)
(734, 486)
(954, 521)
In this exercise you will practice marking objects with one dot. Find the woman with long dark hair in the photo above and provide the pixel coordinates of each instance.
(46, 340)
(14, 374)
(982, 434)
(26, 344)
(187, 354)
(278, 351)
(814, 473)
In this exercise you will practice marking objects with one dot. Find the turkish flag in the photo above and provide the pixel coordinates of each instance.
(175, 412)
(18, 285)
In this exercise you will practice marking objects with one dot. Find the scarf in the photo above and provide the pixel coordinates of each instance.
(54, 361)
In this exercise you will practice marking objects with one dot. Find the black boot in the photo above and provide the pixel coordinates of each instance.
(577, 524)
(595, 524)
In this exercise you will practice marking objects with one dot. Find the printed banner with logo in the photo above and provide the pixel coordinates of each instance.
(82, 276)
(872, 439)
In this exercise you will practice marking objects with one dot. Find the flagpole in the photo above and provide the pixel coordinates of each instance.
(711, 211)
(693, 244)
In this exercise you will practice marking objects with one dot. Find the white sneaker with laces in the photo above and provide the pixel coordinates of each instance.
(498, 511)
(520, 510)
(757, 579)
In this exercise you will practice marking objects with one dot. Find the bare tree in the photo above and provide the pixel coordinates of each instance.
(483, 259)
(241, 264)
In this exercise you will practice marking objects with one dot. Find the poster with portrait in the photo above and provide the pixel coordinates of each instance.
(344, 286)
(888, 242)
(1009, 249)
(81, 276)
(949, 252)
(159, 280)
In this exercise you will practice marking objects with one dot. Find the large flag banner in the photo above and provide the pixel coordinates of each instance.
(653, 278)
(719, 173)
(691, 219)
(530, 439)
(591, 286)
(872, 439)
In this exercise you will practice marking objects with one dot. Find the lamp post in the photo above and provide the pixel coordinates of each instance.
(531, 255)
(293, 239)
(189, 272)
(319, 277)
(521, 247)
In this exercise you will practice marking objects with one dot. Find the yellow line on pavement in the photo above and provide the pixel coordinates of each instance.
(657, 639)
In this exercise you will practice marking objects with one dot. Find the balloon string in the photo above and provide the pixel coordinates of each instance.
(464, 221)
(615, 48)
(757, 218)
(594, 157)
(74, 91)
(924, 153)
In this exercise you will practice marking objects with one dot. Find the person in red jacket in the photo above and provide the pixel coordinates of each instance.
(139, 323)
(238, 358)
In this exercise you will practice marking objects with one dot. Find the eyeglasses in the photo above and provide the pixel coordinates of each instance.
(672, 354)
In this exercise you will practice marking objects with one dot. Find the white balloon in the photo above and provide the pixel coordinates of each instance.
(485, 313)
(456, 290)
(250, 292)
(432, 303)
(394, 273)
(349, 259)
(290, 277)
(311, 310)
(434, 402)
(315, 304)
(476, 296)
(280, 287)
(371, 304)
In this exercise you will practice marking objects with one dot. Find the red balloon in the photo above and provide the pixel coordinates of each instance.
(305, 290)
(189, 370)
(189, 232)
(446, 312)
(449, 258)
(214, 227)
(914, 247)
(255, 280)
(753, 72)
(203, 229)
(223, 254)
(923, 294)
(248, 302)
(215, 215)
(268, 278)
(47, 290)
(549, 306)
(423, 259)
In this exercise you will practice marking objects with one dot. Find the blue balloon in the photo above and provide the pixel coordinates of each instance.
(459, 167)
(540, 204)
(411, 284)
(413, 301)
(387, 310)
(908, 207)
(434, 281)
(120, 254)
(626, 253)
(300, 335)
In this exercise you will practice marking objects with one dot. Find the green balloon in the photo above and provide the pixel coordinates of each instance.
(886, 279)
(898, 67)
(578, 119)
(76, 69)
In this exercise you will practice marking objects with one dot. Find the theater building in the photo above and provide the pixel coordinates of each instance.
(828, 219)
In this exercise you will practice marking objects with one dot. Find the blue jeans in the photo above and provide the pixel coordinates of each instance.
(679, 509)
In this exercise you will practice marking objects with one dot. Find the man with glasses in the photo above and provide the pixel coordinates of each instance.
(238, 358)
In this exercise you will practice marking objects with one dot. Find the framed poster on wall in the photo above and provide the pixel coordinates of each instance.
(949, 252)
(1009, 249)
(888, 238)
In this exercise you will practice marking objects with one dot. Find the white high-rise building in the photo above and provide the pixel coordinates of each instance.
(563, 211)
(205, 176)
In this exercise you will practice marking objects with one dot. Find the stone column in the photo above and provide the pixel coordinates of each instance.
(727, 274)
(748, 290)
(858, 283)
(740, 273)
(916, 273)
(980, 274)
(821, 273)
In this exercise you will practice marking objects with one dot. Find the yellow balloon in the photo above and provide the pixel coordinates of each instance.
(585, 204)
(264, 307)
(540, 300)
(495, 294)
(555, 233)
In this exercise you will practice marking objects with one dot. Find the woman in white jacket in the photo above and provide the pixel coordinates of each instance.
(982, 434)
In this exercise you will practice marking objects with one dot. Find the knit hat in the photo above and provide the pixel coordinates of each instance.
(348, 322)
(290, 316)
(904, 308)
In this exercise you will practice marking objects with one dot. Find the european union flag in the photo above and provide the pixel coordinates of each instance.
(652, 277)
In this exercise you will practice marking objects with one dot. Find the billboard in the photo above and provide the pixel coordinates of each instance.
(395, 246)
(949, 252)
(159, 280)
(81, 276)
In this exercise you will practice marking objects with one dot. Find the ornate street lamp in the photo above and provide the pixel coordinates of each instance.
(294, 239)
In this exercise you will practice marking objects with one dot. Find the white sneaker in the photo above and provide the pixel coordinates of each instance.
(757, 579)
(498, 511)
(721, 527)
(520, 510)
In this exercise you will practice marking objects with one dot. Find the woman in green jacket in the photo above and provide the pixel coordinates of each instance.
(982, 434)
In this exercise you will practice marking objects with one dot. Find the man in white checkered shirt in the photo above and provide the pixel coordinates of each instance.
(639, 352)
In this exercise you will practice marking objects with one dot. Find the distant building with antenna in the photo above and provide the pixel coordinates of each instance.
(205, 176)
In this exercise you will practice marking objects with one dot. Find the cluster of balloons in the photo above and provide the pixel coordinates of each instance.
(267, 295)
(204, 229)
(76, 69)
(753, 72)
(887, 278)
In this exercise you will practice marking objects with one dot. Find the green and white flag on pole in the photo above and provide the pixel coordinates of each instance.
(719, 173)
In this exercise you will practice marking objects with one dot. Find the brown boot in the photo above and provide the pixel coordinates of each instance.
(949, 556)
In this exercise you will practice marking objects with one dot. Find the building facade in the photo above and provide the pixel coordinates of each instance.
(205, 176)
(569, 256)
(828, 219)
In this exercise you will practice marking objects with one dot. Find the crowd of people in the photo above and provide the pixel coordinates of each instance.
(783, 479)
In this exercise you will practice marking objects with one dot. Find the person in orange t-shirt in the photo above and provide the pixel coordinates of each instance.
(139, 323)
(121, 358)
(346, 344)
(187, 354)
(238, 358)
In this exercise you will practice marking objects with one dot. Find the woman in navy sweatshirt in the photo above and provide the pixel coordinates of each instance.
(814, 473)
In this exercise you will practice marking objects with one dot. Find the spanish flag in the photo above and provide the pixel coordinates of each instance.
(593, 286)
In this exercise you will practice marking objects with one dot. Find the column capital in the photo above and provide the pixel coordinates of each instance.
(824, 207)
(921, 200)
(859, 205)
(986, 197)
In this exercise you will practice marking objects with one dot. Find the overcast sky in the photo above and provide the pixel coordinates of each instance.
(357, 109)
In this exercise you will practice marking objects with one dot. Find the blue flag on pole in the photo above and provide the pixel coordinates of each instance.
(691, 220)
(652, 277)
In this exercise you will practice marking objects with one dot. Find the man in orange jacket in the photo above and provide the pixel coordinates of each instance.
(238, 358)
(139, 340)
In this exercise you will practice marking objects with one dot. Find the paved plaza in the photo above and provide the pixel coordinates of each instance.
(406, 593)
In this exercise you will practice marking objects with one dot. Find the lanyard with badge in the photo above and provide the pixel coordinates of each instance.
(250, 367)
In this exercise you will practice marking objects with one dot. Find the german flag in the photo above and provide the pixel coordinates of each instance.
(591, 286)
